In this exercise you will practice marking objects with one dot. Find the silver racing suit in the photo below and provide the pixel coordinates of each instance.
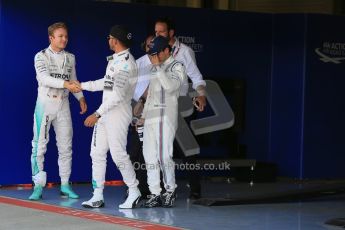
(160, 114)
(110, 131)
(52, 108)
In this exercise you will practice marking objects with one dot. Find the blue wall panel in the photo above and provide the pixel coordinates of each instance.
(241, 48)
(307, 113)
(324, 149)
(24, 34)
(227, 48)
(275, 54)
(287, 93)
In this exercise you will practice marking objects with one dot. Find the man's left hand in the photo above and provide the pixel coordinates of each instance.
(91, 120)
(200, 102)
(138, 109)
(83, 105)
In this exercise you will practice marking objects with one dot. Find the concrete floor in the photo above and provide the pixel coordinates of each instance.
(14, 218)
(292, 215)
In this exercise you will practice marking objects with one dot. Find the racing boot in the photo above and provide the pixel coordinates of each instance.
(132, 198)
(168, 199)
(37, 193)
(96, 201)
(66, 191)
(154, 201)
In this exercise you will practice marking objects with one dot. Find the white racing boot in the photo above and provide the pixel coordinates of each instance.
(132, 198)
(97, 200)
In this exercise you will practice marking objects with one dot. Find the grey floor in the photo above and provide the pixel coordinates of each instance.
(14, 217)
(310, 214)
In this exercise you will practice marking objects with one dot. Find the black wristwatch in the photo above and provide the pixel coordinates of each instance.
(142, 100)
(97, 115)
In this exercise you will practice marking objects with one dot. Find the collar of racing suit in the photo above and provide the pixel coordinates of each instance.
(54, 52)
(167, 62)
(121, 53)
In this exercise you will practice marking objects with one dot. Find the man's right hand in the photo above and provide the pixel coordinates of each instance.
(72, 86)
(140, 122)
(154, 59)
(199, 102)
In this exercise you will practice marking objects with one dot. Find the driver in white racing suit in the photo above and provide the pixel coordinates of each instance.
(112, 118)
(55, 73)
(160, 122)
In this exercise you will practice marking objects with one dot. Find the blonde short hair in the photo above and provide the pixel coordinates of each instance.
(56, 26)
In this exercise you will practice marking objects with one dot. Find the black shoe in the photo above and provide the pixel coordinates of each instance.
(168, 199)
(154, 201)
(143, 200)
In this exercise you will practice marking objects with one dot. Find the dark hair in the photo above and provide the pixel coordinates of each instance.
(168, 21)
(122, 34)
(144, 43)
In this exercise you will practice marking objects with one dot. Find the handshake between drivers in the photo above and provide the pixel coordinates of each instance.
(73, 86)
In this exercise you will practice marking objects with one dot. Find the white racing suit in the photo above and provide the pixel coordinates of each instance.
(160, 114)
(186, 56)
(52, 108)
(110, 132)
(181, 53)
